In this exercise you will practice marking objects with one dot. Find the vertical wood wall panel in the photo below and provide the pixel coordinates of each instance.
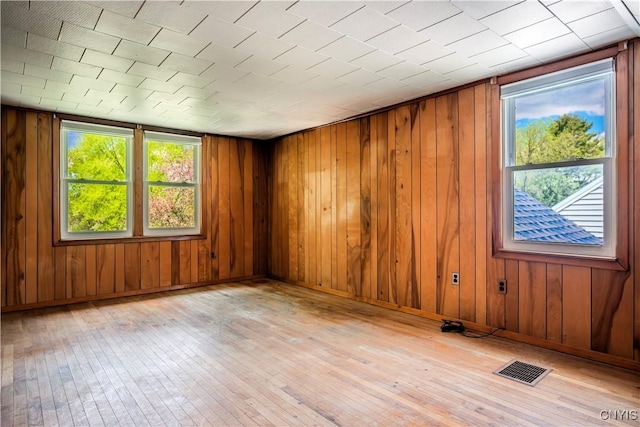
(36, 272)
(576, 307)
(481, 203)
(354, 269)
(341, 204)
(326, 207)
(635, 154)
(532, 299)
(299, 208)
(554, 302)
(382, 207)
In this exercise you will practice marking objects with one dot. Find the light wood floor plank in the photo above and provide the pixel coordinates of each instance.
(267, 353)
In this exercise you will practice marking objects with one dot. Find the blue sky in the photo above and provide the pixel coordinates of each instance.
(585, 100)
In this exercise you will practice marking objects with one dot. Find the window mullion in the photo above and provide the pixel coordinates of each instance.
(138, 183)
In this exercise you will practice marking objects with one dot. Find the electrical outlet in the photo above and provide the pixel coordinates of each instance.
(455, 279)
(502, 286)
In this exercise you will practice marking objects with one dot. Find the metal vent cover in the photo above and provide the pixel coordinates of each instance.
(522, 372)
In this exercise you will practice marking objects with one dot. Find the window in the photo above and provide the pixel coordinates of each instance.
(96, 184)
(171, 184)
(103, 196)
(559, 148)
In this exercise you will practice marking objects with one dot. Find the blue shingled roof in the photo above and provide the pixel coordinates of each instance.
(536, 222)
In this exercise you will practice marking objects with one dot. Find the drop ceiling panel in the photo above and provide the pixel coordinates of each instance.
(253, 68)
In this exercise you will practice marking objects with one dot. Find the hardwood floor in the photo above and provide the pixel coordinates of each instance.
(268, 353)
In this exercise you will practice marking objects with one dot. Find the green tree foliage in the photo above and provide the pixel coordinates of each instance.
(97, 206)
(548, 141)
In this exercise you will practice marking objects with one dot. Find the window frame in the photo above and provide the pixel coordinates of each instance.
(619, 259)
(137, 185)
(196, 185)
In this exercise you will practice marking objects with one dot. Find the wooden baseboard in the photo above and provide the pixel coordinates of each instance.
(78, 300)
(563, 348)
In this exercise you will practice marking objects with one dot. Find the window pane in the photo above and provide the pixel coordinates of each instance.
(559, 205)
(561, 124)
(97, 207)
(171, 207)
(96, 157)
(170, 162)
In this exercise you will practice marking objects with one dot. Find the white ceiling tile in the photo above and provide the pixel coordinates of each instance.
(138, 94)
(515, 65)
(376, 60)
(569, 11)
(53, 47)
(221, 54)
(192, 92)
(145, 70)
(9, 77)
(128, 8)
(16, 14)
(499, 55)
(229, 10)
(11, 87)
(269, 20)
(346, 49)
(258, 81)
(321, 84)
(538, 33)
(66, 88)
(293, 75)
(264, 66)
(115, 105)
(177, 42)
(480, 9)
(185, 64)
(141, 53)
(387, 84)
(452, 29)
(560, 47)
(478, 43)
(516, 17)
(75, 67)
(327, 13)
(200, 104)
(167, 98)
(13, 66)
(47, 73)
(311, 35)
(221, 32)
(364, 24)
(28, 56)
(170, 15)
(118, 77)
(100, 59)
(597, 23)
(384, 6)
(425, 52)
(402, 70)
(332, 68)
(116, 97)
(81, 36)
(222, 72)
(471, 73)
(426, 79)
(634, 7)
(93, 111)
(58, 105)
(126, 28)
(607, 37)
(265, 46)
(360, 77)
(398, 39)
(85, 100)
(160, 86)
(449, 63)
(88, 83)
(301, 57)
(83, 14)
(422, 14)
(13, 36)
(190, 80)
(24, 101)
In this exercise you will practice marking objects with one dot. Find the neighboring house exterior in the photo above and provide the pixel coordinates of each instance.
(585, 208)
(536, 222)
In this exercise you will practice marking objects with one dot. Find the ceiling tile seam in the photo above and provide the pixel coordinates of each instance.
(346, 16)
(197, 25)
(506, 8)
(400, 4)
(237, 44)
(246, 11)
(98, 20)
(445, 19)
(289, 30)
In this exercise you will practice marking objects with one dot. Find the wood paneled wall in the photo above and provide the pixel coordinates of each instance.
(35, 272)
(384, 208)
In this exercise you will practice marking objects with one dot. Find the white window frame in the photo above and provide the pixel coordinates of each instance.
(65, 180)
(196, 142)
(567, 77)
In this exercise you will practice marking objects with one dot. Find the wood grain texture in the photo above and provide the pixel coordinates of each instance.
(391, 159)
(382, 207)
(512, 297)
(46, 252)
(214, 231)
(341, 205)
(635, 152)
(185, 261)
(132, 266)
(76, 272)
(481, 195)
(106, 269)
(447, 206)
(260, 209)
(554, 302)
(224, 219)
(576, 307)
(428, 215)
(236, 207)
(312, 209)
(149, 265)
(466, 135)
(91, 270)
(31, 208)
(365, 207)
(532, 297)
(333, 134)
(249, 209)
(326, 206)
(301, 246)
(354, 269)
(373, 183)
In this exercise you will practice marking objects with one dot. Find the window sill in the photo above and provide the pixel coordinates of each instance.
(142, 239)
(576, 260)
